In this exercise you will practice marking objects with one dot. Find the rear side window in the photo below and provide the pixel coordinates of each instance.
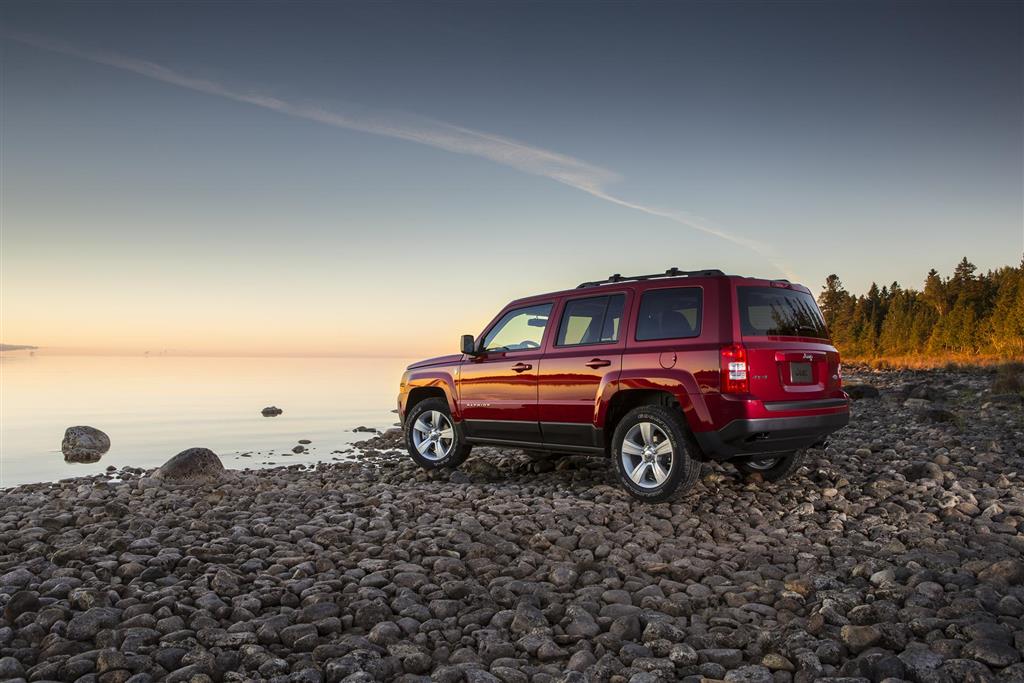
(670, 314)
(595, 320)
(777, 312)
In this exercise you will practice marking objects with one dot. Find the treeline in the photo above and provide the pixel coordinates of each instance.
(968, 313)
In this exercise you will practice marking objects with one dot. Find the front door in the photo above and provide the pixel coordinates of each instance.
(585, 355)
(498, 388)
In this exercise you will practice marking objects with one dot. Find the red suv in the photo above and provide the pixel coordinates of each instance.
(659, 372)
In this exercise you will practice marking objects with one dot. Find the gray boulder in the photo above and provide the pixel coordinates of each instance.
(84, 444)
(192, 466)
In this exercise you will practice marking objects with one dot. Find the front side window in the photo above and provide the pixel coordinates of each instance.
(591, 321)
(779, 312)
(519, 329)
(669, 314)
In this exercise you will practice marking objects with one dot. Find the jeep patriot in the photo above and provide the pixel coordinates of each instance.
(658, 372)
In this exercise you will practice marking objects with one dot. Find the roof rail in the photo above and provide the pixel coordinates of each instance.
(671, 272)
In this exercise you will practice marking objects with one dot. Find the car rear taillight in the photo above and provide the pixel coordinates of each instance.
(734, 370)
(839, 374)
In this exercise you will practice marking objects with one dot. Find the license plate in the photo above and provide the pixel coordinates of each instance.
(800, 373)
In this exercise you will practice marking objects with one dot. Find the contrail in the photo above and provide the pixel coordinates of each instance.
(561, 168)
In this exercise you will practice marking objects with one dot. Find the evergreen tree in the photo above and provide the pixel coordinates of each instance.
(968, 313)
(935, 292)
(832, 300)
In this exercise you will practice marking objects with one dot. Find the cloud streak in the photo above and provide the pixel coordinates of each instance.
(575, 173)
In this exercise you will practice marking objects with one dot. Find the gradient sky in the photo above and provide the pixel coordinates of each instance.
(377, 179)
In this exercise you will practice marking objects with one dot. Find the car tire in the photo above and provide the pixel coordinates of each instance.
(774, 468)
(647, 469)
(425, 428)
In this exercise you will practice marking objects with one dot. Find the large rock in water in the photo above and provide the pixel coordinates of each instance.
(192, 466)
(84, 444)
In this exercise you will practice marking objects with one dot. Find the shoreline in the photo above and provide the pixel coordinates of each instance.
(898, 551)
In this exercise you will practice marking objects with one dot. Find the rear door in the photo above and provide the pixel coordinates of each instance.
(585, 353)
(789, 354)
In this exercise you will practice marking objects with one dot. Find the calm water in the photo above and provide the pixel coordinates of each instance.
(155, 407)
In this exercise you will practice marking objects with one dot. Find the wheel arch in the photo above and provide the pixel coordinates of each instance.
(625, 400)
(422, 387)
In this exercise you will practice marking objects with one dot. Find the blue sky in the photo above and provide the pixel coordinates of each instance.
(873, 140)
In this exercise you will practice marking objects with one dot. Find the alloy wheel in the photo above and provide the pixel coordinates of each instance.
(647, 455)
(433, 435)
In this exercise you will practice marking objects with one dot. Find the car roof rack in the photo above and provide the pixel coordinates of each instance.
(671, 272)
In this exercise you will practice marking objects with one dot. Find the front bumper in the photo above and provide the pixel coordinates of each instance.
(769, 435)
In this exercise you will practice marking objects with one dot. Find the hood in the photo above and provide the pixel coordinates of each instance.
(450, 359)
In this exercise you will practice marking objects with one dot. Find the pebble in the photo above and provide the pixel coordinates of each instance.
(895, 553)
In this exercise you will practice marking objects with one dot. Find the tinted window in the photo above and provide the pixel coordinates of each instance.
(669, 314)
(777, 312)
(591, 321)
(519, 329)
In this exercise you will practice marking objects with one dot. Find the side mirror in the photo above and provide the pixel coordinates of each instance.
(468, 345)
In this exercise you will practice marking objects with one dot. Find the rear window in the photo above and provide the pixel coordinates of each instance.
(777, 312)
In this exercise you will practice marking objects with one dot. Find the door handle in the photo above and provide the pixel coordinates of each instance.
(521, 367)
(598, 363)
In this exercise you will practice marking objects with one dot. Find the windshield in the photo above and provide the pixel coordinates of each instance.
(778, 312)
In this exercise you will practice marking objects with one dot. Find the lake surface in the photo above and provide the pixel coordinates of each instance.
(155, 407)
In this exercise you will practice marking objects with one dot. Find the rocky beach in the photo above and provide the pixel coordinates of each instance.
(896, 553)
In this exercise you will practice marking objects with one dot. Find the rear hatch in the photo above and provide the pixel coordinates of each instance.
(789, 355)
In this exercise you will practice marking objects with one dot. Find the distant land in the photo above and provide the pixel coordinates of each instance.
(17, 347)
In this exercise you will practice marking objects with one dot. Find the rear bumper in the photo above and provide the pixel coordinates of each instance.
(760, 436)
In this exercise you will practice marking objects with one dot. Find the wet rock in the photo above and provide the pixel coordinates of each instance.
(84, 444)
(192, 466)
(271, 411)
